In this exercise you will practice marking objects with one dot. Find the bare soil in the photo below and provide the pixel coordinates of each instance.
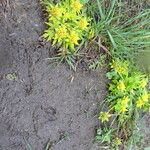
(44, 103)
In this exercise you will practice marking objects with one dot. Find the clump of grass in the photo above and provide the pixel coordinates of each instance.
(122, 34)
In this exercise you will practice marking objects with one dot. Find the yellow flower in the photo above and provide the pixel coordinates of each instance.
(145, 97)
(104, 116)
(122, 105)
(76, 5)
(120, 66)
(121, 86)
(83, 23)
(117, 141)
(61, 32)
(143, 83)
(123, 109)
(142, 100)
(73, 38)
(140, 103)
(55, 11)
(121, 70)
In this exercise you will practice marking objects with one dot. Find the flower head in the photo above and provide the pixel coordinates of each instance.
(123, 109)
(117, 141)
(145, 96)
(119, 66)
(61, 32)
(121, 86)
(55, 11)
(140, 103)
(73, 38)
(104, 116)
(83, 23)
(76, 5)
(122, 104)
(143, 83)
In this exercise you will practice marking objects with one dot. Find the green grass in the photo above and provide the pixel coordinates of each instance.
(122, 34)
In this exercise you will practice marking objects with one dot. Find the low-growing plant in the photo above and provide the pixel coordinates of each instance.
(128, 97)
(67, 26)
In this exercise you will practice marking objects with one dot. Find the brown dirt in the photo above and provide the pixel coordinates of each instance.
(42, 105)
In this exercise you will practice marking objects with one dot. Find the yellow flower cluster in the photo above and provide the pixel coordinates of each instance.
(55, 11)
(119, 66)
(83, 23)
(117, 141)
(122, 105)
(127, 89)
(143, 83)
(67, 24)
(61, 32)
(74, 38)
(142, 100)
(121, 86)
(76, 5)
(127, 94)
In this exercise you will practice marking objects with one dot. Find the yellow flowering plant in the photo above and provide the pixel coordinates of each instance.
(104, 116)
(67, 25)
(128, 97)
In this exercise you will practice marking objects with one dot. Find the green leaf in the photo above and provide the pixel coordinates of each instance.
(112, 39)
(111, 9)
(99, 131)
(98, 138)
(110, 75)
(100, 10)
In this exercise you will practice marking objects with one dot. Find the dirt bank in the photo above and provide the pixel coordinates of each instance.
(41, 104)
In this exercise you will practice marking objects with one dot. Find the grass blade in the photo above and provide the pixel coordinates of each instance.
(112, 10)
(111, 39)
(100, 10)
